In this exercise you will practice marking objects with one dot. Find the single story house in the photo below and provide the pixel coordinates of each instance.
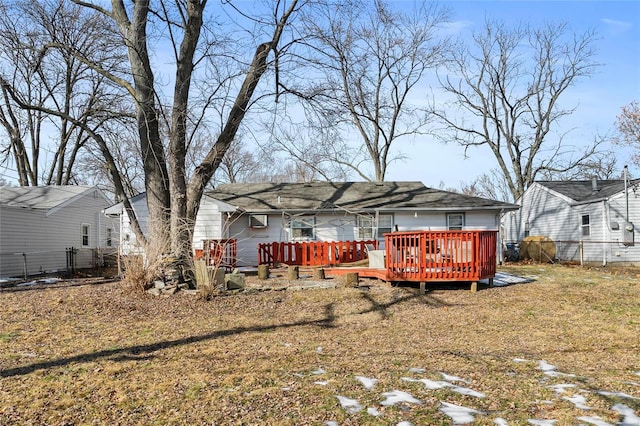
(253, 213)
(588, 220)
(53, 228)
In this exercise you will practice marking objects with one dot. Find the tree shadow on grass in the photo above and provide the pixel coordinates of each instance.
(141, 352)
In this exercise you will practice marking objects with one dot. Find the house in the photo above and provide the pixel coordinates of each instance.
(588, 220)
(254, 213)
(53, 228)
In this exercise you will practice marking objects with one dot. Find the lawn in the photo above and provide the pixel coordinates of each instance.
(565, 347)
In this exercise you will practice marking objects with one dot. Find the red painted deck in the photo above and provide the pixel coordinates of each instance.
(421, 256)
(219, 253)
(313, 253)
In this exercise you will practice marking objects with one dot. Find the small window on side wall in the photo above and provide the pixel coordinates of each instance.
(109, 237)
(86, 231)
(455, 221)
(585, 225)
(258, 221)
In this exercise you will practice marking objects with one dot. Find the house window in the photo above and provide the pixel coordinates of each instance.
(526, 229)
(586, 225)
(258, 221)
(109, 237)
(302, 227)
(367, 225)
(455, 221)
(86, 231)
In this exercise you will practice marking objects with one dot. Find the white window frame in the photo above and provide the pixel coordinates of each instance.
(306, 225)
(585, 228)
(366, 225)
(86, 235)
(456, 227)
(258, 221)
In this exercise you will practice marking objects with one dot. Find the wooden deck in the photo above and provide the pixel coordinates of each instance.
(423, 256)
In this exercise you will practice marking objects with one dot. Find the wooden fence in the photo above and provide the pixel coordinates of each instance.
(440, 255)
(219, 253)
(314, 253)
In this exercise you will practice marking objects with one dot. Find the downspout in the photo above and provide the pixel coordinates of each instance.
(604, 233)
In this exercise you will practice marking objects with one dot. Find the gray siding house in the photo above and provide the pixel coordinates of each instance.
(39, 224)
(254, 213)
(587, 220)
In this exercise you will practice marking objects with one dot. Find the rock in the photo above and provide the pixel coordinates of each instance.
(158, 284)
(234, 281)
(170, 290)
(154, 291)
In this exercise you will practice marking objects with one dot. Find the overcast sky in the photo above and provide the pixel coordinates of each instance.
(598, 99)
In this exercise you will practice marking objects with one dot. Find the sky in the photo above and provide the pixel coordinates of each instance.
(597, 99)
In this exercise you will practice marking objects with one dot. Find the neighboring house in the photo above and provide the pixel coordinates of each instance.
(587, 220)
(41, 226)
(256, 213)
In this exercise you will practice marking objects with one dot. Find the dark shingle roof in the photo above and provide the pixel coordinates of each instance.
(348, 196)
(582, 191)
(39, 197)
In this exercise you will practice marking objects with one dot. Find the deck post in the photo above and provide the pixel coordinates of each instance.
(423, 289)
(293, 272)
(318, 274)
(474, 286)
(263, 272)
(352, 279)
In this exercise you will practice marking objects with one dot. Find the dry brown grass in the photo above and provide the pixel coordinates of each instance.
(94, 354)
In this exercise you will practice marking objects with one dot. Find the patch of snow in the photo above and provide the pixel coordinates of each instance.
(500, 421)
(545, 366)
(368, 383)
(417, 370)
(298, 374)
(429, 384)
(558, 374)
(618, 394)
(630, 417)
(319, 349)
(373, 411)
(519, 360)
(42, 281)
(396, 396)
(561, 387)
(579, 401)
(632, 383)
(287, 345)
(332, 423)
(318, 371)
(8, 280)
(459, 415)
(321, 383)
(351, 405)
(541, 422)
(286, 388)
(594, 420)
(450, 378)
(404, 423)
(440, 384)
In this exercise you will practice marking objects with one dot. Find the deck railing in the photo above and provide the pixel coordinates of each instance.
(219, 253)
(440, 255)
(313, 253)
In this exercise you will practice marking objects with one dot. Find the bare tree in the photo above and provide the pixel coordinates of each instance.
(56, 80)
(173, 197)
(628, 125)
(506, 89)
(366, 61)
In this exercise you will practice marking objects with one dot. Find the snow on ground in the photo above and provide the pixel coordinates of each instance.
(459, 415)
(593, 420)
(464, 415)
(630, 417)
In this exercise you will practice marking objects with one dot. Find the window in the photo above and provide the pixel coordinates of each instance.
(366, 226)
(257, 221)
(109, 237)
(86, 230)
(586, 225)
(455, 221)
(302, 228)
(527, 231)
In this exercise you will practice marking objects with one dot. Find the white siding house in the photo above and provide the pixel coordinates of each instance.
(328, 211)
(39, 225)
(587, 220)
